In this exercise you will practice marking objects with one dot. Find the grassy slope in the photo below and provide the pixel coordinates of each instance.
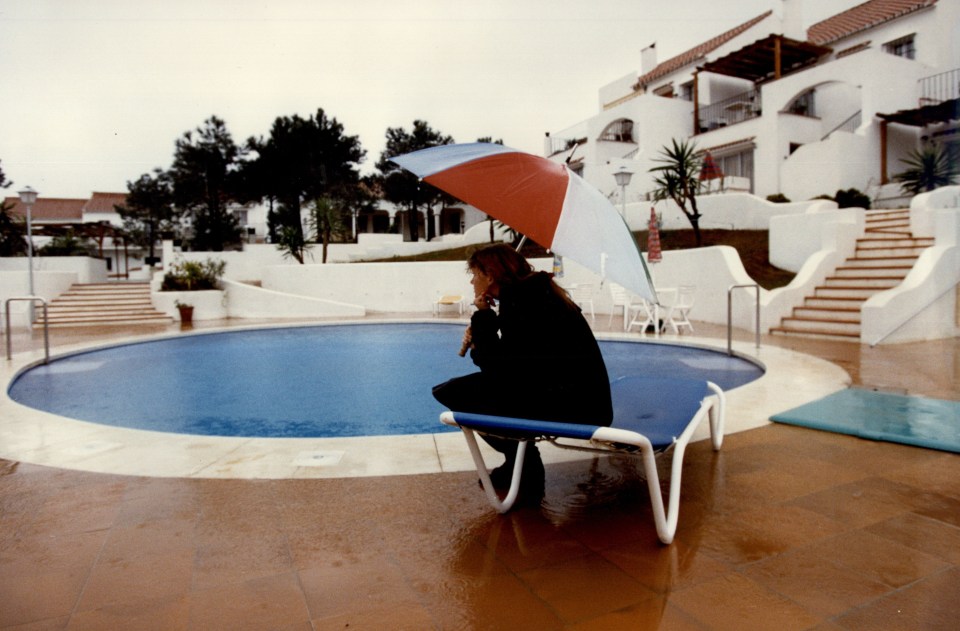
(751, 245)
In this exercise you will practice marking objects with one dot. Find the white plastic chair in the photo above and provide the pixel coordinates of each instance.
(621, 298)
(448, 300)
(678, 314)
(583, 296)
(644, 315)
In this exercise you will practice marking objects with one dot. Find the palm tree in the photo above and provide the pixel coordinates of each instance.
(929, 168)
(678, 179)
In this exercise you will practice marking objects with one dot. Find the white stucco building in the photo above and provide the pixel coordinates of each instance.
(783, 109)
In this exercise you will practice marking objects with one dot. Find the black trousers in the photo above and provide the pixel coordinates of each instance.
(478, 394)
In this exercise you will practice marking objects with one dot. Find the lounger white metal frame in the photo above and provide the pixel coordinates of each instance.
(602, 439)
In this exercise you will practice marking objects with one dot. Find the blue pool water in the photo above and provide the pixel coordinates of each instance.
(322, 381)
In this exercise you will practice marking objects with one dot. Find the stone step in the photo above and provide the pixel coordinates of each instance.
(860, 282)
(817, 331)
(107, 320)
(826, 314)
(857, 293)
(839, 303)
(821, 326)
(889, 252)
(105, 304)
(893, 241)
(872, 271)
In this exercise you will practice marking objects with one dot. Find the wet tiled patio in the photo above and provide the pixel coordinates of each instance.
(785, 528)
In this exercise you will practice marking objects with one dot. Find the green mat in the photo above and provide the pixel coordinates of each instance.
(895, 418)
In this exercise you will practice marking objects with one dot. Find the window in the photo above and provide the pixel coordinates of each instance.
(903, 47)
(804, 105)
(686, 91)
(737, 164)
(620, 130)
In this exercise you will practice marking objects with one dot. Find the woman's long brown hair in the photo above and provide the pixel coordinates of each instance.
(506, 266)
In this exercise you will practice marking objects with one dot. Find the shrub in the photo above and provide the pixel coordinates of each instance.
(778, 198)
(193, 275)
(852, 198)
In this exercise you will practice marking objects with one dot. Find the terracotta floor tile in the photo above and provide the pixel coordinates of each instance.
(239, 559)
(931, 470)
(265, 603)
(735, 602)
(126, 581)
(564, 585)
(877, 558)
(757, 534)
(812, 581)
(406, 616)
(39, 595)
(936, 538)
(930, 604)
(664, 569)
(146, 614)
(860, 503)
(655, 613)
(354, 587)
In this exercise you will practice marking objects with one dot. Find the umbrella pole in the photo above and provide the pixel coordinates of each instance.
(523, 239)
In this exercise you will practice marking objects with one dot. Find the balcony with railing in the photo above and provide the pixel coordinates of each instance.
(559, 145)
(941, 87)
(736, 109)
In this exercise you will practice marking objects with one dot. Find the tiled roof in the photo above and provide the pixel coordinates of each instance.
(104, 202)
(697, 52)
(861, 17)
(49, 209)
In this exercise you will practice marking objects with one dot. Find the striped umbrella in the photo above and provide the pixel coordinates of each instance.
(541, 199)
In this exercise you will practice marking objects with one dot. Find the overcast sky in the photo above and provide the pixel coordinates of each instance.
(93, 93)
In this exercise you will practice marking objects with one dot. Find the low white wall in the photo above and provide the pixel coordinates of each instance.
(246, 301)
(378, 287)
(795, 238)
(925, 305)
(47, 285)
(208, 304)
(838, 242)
(86, 269)
(728, 211)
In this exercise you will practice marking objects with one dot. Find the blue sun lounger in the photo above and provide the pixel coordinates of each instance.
(650, 415)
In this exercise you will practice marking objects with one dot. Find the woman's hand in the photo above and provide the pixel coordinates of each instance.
(483, 301)
(467, 341)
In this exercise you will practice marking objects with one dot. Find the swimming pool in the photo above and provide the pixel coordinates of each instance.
(317, 381)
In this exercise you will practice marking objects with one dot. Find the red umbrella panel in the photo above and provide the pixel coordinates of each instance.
(541, 199)
(654, 251)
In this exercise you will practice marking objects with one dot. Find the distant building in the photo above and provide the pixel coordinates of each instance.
(782, 110)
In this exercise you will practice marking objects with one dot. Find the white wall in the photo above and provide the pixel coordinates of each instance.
(925, 305)
(795, 238)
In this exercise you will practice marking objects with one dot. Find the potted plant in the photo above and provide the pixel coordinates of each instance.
(193, 289)
(186, 312)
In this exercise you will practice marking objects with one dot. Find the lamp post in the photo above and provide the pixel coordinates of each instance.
(623, 179)
(28, 197)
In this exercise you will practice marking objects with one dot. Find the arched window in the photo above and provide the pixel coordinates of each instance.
(620, 130)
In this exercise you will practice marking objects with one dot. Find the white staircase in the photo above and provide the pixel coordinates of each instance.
(100, 304)
(884, 256)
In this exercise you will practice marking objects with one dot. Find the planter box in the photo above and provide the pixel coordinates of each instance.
(208, 304)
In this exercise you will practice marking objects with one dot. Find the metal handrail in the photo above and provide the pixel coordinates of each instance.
(46, 324)
(730, 314)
